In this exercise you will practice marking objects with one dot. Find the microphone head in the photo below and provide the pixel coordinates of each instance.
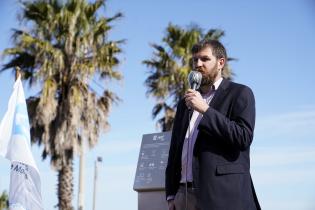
(194, 79)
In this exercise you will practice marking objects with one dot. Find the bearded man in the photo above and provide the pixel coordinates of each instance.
(209, 163)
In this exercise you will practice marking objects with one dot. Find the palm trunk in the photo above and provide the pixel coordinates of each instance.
(65, 186)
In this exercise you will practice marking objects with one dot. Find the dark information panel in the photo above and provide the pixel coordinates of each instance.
(150, 174)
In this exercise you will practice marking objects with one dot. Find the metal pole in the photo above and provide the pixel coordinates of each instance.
(17, 72)
(98, 160)
(81, 179)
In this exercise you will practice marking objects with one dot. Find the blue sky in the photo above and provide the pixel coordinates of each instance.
(273, 41)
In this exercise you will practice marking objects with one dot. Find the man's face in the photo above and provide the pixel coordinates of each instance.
(208, 65)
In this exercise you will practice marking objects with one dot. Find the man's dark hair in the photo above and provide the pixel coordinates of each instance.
(218, 50)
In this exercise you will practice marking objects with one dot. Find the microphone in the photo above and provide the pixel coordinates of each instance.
(194, 79)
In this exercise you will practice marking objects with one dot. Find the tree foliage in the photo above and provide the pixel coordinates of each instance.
(64, 49)
(4, 201)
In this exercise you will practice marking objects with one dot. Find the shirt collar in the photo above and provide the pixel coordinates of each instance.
(216, 85)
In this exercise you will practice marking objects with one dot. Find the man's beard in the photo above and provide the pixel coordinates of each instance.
(208, 79)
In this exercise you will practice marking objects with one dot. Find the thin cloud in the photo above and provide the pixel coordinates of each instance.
(282, 156)
(296, 127)
(118, 147)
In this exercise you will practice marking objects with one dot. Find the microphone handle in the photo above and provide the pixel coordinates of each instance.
(194, 86)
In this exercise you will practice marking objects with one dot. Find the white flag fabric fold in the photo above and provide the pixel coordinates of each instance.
(15, 145)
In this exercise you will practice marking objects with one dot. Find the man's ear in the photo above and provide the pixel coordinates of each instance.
(221, 63)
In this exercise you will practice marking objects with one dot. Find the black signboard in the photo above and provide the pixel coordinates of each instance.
(150, 174)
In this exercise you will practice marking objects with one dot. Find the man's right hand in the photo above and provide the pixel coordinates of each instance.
(171, 204)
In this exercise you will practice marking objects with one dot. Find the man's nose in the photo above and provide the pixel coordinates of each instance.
(198, 62)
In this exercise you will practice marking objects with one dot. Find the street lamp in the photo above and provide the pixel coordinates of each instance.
(97, 162)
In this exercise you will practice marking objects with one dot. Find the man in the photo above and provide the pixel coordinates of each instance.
(213, 129)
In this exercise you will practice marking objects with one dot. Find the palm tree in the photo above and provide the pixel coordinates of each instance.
(169, 67)
(67, 51)
(4, 204)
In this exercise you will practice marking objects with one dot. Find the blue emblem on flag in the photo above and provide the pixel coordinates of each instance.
(21, 122)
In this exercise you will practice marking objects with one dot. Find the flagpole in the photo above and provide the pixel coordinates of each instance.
(17, 72)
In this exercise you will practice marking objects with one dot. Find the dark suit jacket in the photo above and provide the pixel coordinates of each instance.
(221, 149)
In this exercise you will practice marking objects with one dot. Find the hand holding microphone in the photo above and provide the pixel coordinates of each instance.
(192, 97)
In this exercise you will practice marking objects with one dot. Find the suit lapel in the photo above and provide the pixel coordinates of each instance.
(220, 94)
(185, 121)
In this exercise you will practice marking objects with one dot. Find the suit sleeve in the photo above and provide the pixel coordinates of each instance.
(239, 127)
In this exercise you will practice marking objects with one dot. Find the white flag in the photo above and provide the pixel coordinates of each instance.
(15, 145)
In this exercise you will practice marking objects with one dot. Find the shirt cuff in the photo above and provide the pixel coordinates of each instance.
(170, 197)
